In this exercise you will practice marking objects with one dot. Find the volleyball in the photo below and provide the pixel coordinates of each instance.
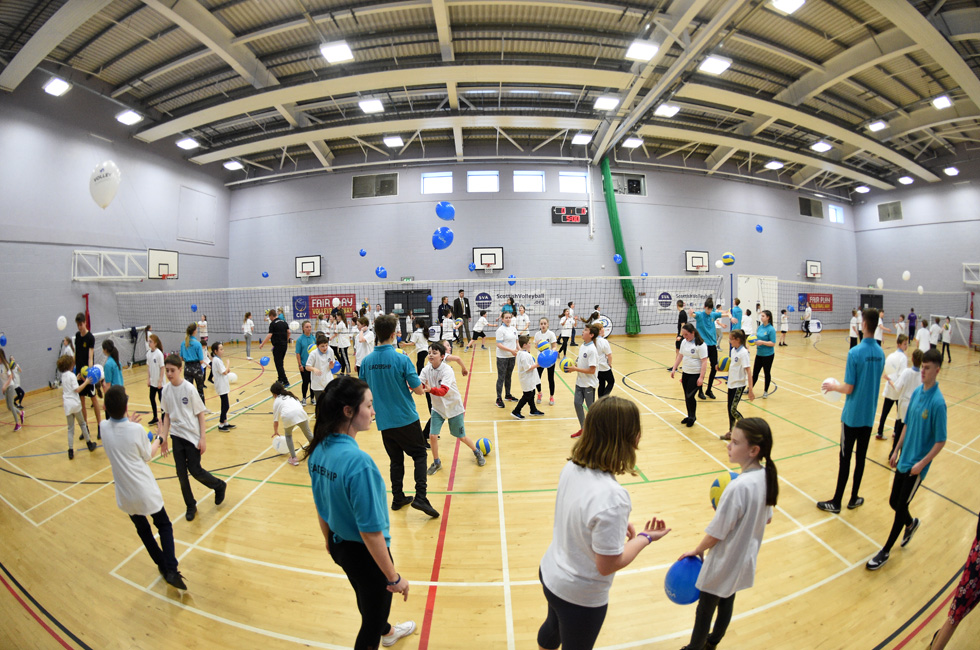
(718, 487)
(336, 367)
(725, 364)
(752, 339)
(459, 322)
(565, 364)
(83, 371)
(544, 345)
(279, 444)
(483, 444)
(727, 259)
(232, 378)
(311, 349)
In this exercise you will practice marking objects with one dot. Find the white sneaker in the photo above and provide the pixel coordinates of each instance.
(398, 631)
(249, 358)
(303, 402)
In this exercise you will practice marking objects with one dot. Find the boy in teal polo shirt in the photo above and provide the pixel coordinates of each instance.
(862, 383)
(392, 378)
(922, 440)
(303, 344)
(706, 328)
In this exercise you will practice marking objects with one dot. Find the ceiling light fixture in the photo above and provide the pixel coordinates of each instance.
(821, 146)
(336, 52)
(582, 138)
(642, 50)
(941, 102)
(188, 144)
(57, 86)
(774, 164)
(129, 117)
(632, 142)
(951, 171)
(862, 189)
(666, 110)
(877, 125)
(233, 165)
(715, 64)
(605, 103)
(905, 180)
(787, 6)
(371, 105)
(393, 141)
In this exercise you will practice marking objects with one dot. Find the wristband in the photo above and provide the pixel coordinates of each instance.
(649, 539)
(398, 578)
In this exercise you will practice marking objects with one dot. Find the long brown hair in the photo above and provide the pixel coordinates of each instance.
(609, 437)
(189, 333)
(758, 433)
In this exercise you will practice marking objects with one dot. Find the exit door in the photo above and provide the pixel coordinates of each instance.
(873, 301)
(409, 304)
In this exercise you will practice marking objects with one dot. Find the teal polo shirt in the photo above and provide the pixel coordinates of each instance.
(706, 326)
(865, 363)
(765, 333)
(302, 345)
(737, 315)
(390, 376)
(348, 490)
(925, 425)
(111, 372)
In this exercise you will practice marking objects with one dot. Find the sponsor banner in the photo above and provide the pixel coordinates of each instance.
(310, 307)
(818, 301)
(535, 303)
(667, 300)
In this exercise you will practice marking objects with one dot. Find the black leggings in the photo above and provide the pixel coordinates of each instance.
(946, 352)
(224, 408)
(606, 382)
(712, 367)
(194, 373)
(154, 396)
(734, 397)
(851, 439)
(572, 627)
(370, 588)
(707, 604)
(551, 379)
(562, 346)
(764, 364)
(505, 367)
(420, 361)
(306, 376)
(903, 490)
(344, 359)
(690, 383)
(884, 414)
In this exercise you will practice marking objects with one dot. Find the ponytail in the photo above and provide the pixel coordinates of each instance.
(189, 333)
(279, 390)
(758, 433)
(343, 391)
(110, 350)
(689, 327)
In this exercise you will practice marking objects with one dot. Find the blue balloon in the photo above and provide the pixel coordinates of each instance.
(149, 436)
(362, 252)
(644, 274)
(336, 367)
(442, 238)
(547, 358)
(445, 211)
(511, 280)
(264, 361)
(472, 266)
(758, 228)
(265, 274)
(193, 307)
(3, 340)
(381, 272)
(429, 298)
(791, 308)
(679, 583)
(617, 258)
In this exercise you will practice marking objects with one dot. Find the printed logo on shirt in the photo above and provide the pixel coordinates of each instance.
(925, 414)
(184, 400)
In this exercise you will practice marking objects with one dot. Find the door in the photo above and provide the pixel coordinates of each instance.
(409, 304)
(873, 301)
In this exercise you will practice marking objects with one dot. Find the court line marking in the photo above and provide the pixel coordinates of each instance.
(504, 559)
(70, 486)
(35, 479)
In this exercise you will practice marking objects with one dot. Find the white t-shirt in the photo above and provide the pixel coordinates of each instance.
(154, 364)
(341, 336)
(591, 515)
(691, 355)
(878, 332)
(947, 333)
(588, 357)
(128, 450)
(855, 327)
(289, 411)
(248, 326)
(507, 336)
(900, 328)
(182, 405)
(69, 384)
(481, 324)
(807, 314)
(324, 362)
(222, 386)
(323, 325)
(202, 329)
(528, 377)
(435, 333)
(739, 523)
(448, 329)
(566, 323)
(935, 331)
(548, 336)
(418, 340)
(784, 323)
(895, 363)
(451, 404)
(908, 381)
(739, 369)
(522, 322)
(378, 313)
(602, 348)
(362, 349)
(922, 336)
(748, 325)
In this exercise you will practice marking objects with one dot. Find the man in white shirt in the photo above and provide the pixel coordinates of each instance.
(895, 363)
(587, 381)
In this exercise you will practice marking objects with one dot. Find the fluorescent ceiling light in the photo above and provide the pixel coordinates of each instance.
(774, 164)
(941, 102)
(821, 146)
(666, 110)
(905, 180)
(715, 64)
(393, 141)
(129, 117)
(234, 165)
(787, 6)
(336, 52)
(582, 138)
(57, 86)
(862, 189)
(642, 51)
(633, 142)
(877, 125)
(371, 105)
(951, 171)
(605, 103)
(188, 143)
(819, 195)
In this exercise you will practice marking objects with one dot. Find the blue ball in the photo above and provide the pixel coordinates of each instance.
(149, 436)
(791, 308)
(3, 340)
(265, 274)
(680, 580)
(445, 211)
(511, 280)
(644, 274)
(617, 258)
(758, 228)
(193, 307)
(547, 358)
(362, 252)
(483, 444)
(381, 272)
(264, 361)
(442, 238)
(336, 367)
(472, 266)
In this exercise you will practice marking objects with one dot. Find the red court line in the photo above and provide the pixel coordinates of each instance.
(34, 614)
(440, 544)
(925, 621)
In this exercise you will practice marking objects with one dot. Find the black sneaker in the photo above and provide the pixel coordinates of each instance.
(223, 427)
(152, 422)
(71, 454)
(174, 579)
(229, 426)
(877, 561)
(856, 502)
(909, 531)
(710, 395)
(219, 494)
(537, 412)
(398, 504)
(91, 445)
(517, 415)
(700, 394)
(690, 422)
(421, 503)
(500, 403)
(828, 506)
(685, 420)
(191, 513)
(511, 398)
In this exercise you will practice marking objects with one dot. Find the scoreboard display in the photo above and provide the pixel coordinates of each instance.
(569, 215)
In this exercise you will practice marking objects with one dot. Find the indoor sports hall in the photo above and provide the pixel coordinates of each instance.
(191, 166)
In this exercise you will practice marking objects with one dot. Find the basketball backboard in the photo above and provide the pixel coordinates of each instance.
(696, 260)
(161, 263)
(492, 255)
(814, 269)
(308, 266)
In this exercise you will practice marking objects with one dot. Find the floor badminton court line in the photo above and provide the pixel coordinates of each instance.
(504, 560)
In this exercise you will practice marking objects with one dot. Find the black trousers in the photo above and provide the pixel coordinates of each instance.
(154, 396)
(897, 434)
(306, 375)
(946, 352)
(806, 327)
(712, 369)
(344, 359)
(551, 379)
(562, 346)
(400, 442)
(370, 588)
(527, 397)
(762, 364)
(570, 626)
(606, 382)
(187, 458)
(854, 341)
(734, 397)
(279, 355)
(851, 439)
(420, 362)
(885, 409)
(224, 408)
(505, 368)
(707, 604)
(162, 554)
(690, 383)
(194, 373)
(904, 488)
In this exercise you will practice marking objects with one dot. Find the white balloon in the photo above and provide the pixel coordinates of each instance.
(62, 322)
(104, 182)
(294, 325)
(880, 283)
(920, 289)
(830, 395)
(232, 378)
(906, 275)
(335, 302)
(279, 444)
(719, 264)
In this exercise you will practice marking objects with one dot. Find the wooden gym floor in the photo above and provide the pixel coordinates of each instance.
(76, 575)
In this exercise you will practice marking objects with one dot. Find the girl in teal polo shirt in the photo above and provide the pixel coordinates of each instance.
(765, 352)
(351, 503)
(111, 372)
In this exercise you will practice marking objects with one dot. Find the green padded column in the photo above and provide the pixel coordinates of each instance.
(629, 293)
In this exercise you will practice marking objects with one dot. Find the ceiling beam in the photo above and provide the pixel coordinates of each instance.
(321, 151)
(72, 15)
(458, 142)
(443, 31)
(367, 129)
(374, 81)
(928, 117)
(772, 48)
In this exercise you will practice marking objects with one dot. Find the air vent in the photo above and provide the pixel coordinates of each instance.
(890, 211)
(811, 208)
(364, 187)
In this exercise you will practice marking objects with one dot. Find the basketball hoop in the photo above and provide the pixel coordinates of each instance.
(488, 268)
(305, 276)
(702, 269)
(816, 276)
(167, 276)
